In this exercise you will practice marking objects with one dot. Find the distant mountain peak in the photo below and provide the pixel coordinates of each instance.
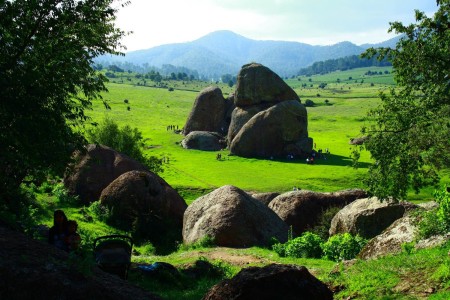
(224, 52)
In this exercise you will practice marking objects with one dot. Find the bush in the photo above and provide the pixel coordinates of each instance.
(309, 103)
(280, 249)
(323, 225)
(442, 197)
(437, 221)
(343, 246)
(62, 195)
(126, 140)
(102, 212)
(307, 245)
(429, 224)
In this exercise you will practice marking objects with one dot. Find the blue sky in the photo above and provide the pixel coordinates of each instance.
(317, 22)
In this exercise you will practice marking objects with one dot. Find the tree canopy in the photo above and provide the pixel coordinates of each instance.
(47, 81)
(409, 139)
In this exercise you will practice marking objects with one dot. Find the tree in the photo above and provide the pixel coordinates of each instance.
(409, 139)
(126, 140)
(47, 81)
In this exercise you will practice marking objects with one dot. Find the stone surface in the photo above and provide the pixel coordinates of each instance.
(241, 116)
(95, 169)
(232, 218)
(368, 217)
(287, 282)
(258, 84)
(301, 209)
(265, 197)
(358, 140)
(273, 132)
(208, 112)
(391, 240)
(204, 140)
(138, 193)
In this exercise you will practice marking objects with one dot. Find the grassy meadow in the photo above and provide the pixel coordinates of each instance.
(413, 274)
(331, 124)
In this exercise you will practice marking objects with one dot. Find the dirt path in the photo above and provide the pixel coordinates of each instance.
(229, 257)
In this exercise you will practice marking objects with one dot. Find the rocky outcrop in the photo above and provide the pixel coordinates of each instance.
(257, 84)
(94, 169)
(31, 269)
(204, 140)
(232, 218)
(301, 209)
(208, 113)
(358, 140)
(390, 241)
(240, 116)
(137, 193)
(269, 120)
(265, 198)
(277, 131)
(368, 217)
(287, 282)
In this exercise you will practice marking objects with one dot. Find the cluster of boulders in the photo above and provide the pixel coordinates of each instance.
(126, 187)
(234, 218)
(228, 215)
(263, 118)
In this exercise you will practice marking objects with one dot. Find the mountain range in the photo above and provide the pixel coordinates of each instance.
(224, 52)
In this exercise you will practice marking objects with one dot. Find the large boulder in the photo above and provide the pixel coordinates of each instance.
(94, 169)
(302, 209)
(232, 218)
(265, 197)
(203, 140)
(240, 116)
(208, 112)
(270, 132)
(390, 241)
(138, 194)
(258, 84)
(287, 282)
(368, 217)
(32, 269)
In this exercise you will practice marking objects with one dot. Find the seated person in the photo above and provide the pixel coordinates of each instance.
(57, 232)
(72, 238)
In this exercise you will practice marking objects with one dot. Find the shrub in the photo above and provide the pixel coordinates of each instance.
(429, 224)
(343, 246)
(62, 195)
(126, 140)
(280, 249)
(102, 212)
(323, 225)
(309, 103)
(306, 245)
(437, 221)
(442, 197)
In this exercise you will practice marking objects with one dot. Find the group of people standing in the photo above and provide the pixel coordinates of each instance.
(63, 234)
(172, 127)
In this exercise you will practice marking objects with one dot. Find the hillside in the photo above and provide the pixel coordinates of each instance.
(223, 52)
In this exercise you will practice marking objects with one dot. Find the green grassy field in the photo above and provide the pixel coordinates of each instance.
(416, 275)
(194, 173)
